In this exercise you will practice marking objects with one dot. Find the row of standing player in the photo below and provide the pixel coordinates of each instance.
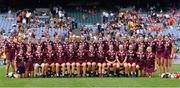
(130, 55)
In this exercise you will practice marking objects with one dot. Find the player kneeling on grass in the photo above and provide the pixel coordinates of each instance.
(121, 59)
(150, 62)
(81, 61)
(141, 57)
(29, 61)
(91, 63)
(101, 61)
(49, 62)
(38, 55)
(20, 68)
(111, 59)
(131, 61)
(60, 61)
(70, 60)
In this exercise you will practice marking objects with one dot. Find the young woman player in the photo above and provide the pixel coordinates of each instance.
(141, 57)
(101, 61)
(81, 61)
(49, 60)
(111, 59)
(60, 60)
(159, 53)
(150, 62)
(38, 57)
(131, 60)
(10, 49)
(91, 63)
(121, 59)
(167, 54)
(20, 68)
(29, 61)
(71, 57)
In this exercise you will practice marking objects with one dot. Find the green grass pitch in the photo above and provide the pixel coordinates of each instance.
(89, 82)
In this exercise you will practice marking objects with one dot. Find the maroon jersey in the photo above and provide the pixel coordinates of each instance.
(65, 45)
(38, 57)
(10, 49)
(101, 44)
(167, 49)
(46, 44)
(36, 45)
(84, 44)
(55, 45)
(116, 45)
(121, 56)
(111, 55)
(152, 44)
(60, 57)
(94, 44)
(141, 44)
(71, 56)
(20, 46)
(126, 45)
(29, 58)
(131, 56)
(81, 56)
(91, 56)
(141, 59)
(49, 57)
(150, 62)
(30, 45)
(159, 48)
(100, 57)
(19, 61)
(75, 45)
(107, 43)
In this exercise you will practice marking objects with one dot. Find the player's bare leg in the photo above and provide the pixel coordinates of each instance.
(7, 67)
(137, 68)
(36, 69)
(84, 69)
(88, 67)
(161, 65)
(43, 69)
(114, 69)
(108, 68)
(126, 69)
(32, 74)
(94, 68)
(130, 69)
(63, 68)
(73, 68)
(170, 65)
(78, 69)
(57, 69)
(46, 68)
(134, 69)
(100, 69)
(103, 68)
(68, 68)
(13, 66)
(166, 65)
(53, 68)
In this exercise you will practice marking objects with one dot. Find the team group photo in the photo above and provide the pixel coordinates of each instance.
(87, 43)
